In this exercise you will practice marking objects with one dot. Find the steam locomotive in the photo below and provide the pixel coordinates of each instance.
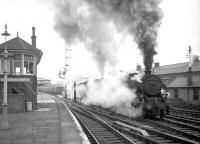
(149, 95)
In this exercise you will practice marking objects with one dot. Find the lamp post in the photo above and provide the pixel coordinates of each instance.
(4, 123)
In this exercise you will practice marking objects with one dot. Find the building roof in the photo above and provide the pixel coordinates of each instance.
(183, 82)
(176, 68)
(18, 44)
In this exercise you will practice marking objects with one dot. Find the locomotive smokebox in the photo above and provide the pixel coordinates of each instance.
(147, 72)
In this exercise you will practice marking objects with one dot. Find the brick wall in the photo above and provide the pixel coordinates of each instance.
(15, 103)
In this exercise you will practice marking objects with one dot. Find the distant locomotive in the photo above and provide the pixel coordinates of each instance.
(149, 95)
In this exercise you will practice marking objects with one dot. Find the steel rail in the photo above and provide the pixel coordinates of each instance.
(156, 135)
(173, 128)
(182, 124)
(192, 113)
(153, 132)
(99, 129)
(132, 134)
(184, 119)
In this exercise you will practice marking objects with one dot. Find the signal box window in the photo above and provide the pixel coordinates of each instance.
(175, 93)
(2, 66)
(17, 63)
(28, 63)
(196, 94)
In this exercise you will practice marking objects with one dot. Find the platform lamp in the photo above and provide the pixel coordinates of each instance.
(5, 55)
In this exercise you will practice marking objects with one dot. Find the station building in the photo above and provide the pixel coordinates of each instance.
(22, 73)
(182, 81)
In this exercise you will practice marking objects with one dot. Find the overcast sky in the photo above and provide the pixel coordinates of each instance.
(180, 28)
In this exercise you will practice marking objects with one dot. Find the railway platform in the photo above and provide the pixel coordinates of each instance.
(51, 123)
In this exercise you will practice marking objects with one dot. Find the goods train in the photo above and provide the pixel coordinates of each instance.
(149, 95)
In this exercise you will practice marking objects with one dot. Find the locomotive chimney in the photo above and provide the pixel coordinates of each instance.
(156, 65)
(33, 37)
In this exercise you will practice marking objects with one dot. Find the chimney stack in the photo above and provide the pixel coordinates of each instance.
(33, 37)
(156, 65)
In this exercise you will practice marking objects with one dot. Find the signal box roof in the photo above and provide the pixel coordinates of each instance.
(19, 45)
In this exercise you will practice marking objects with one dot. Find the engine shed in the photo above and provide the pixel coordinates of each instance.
(22, 73)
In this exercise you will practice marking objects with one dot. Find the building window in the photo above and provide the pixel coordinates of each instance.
(17, 63)
(2, 66)
(17, 57)
(28, 63)
(176, 93)
(196, 94)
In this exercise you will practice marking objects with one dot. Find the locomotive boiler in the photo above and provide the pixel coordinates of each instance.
(149, 95)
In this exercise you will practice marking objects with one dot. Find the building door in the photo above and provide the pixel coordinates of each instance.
(175, 93)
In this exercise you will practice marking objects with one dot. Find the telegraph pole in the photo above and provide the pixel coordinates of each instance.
(189, 73)
(4, 123)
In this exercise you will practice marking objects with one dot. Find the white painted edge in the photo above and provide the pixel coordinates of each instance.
(81, 132)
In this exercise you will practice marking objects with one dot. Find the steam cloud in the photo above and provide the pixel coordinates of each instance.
(77, 21)
(140, 18)
(90, 21)
(113, 94)
(95, 23)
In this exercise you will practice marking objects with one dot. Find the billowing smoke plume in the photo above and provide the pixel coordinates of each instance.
(76, 21)
(140, 18)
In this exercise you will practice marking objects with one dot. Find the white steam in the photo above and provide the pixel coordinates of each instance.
(76, 21)
(96, 24)
(113, 94)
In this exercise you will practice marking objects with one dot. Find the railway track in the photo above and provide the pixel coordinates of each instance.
(160, 134)
(185, 112)
(188, 107)
(155, 134)
(93, 135)
(175, 128)
(188, 120)
(98, 131)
